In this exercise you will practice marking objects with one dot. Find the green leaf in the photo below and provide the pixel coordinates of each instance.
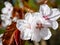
(58, 2)
(32, 4)
(2, 30)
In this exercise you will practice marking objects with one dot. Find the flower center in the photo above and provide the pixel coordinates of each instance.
(46, 17)
(39, 26)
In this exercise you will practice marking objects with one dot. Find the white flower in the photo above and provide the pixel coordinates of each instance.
(50, 14)
(28, 28)
(7, 9)
(6, 14)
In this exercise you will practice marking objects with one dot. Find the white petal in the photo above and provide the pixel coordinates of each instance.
(7, 10)
(4, 16)
(3, 24)
(9, 15)
(37, 17)
(36, 14)
(7, 4)
(36, 35)
(10, 10)
(46, 23)
(45, 33)
(55, 14)
(44, 9)
(54, 25)
(22, 25)
(19, 24)
(6, 22)
(28, 17)
(26, 35)
(4, 10)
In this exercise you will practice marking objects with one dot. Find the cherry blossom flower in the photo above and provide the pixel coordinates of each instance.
(50, 14)
(6, 14)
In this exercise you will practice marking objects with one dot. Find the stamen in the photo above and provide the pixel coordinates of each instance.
(46, 17)
(39, 26)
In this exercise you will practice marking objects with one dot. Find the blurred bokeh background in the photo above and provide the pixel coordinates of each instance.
(34, 5)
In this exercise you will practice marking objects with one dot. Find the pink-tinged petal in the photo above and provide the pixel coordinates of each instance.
(46, 17)
(55, 14)
(54, 25)
(45, 10)
(45, 33)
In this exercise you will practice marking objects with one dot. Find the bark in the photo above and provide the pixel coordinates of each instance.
(12, 36)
